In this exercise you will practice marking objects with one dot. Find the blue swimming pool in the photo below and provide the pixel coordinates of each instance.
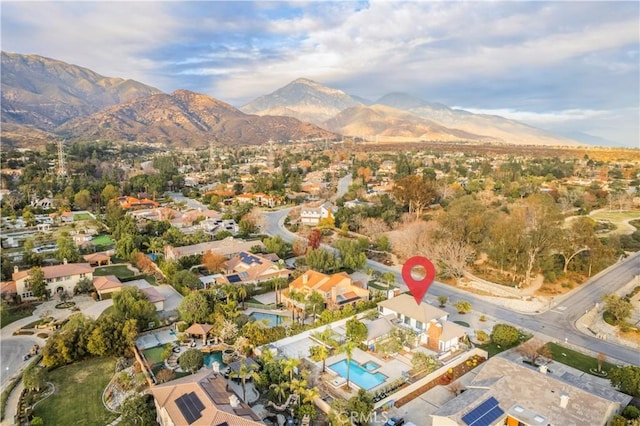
(272, 319)
(370, 366)
(358, 375)
(212, 357)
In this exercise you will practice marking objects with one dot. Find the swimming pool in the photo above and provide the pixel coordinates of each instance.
(272, 319)
(212, 357)
(370, 366)
(358, 375)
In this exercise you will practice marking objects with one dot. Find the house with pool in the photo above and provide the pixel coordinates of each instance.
(431, 324)
(337, 290)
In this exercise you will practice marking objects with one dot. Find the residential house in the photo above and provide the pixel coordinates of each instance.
(97, 259)
(150, 292)
(338, 290)
(313, 215)
(133, 203)
(246, 267)
(106, 285)
(429, 322)
(506, 392)
(227, 247)
(58, 278)
(202, 399)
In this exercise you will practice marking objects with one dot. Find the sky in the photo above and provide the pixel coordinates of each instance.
(572, 67)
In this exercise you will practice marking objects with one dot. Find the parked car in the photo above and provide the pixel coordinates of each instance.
(26, 357)
(394, 421)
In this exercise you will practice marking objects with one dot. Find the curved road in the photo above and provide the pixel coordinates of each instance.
(558, 322)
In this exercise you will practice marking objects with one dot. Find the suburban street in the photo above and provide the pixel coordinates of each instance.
(557, 323)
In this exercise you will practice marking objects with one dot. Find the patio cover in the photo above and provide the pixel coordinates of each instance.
(200, 330)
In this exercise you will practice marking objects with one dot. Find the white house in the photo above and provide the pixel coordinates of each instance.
(312, 215)
(429, 322)
(58, 278)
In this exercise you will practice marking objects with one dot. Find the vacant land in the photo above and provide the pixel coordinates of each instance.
(78, 396)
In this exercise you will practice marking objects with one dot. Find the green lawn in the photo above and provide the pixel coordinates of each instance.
(494, 349)
(120, 271)
(154, 355)
(78, 396)
(575, 359)
(9, 315)
(102, 240)
(81, 216)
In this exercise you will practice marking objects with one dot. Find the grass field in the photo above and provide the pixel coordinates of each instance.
(102, 240)
(78, 396)
(120, 271)
(575, 359)
(81, 216)
(9, 315)
(615, 216)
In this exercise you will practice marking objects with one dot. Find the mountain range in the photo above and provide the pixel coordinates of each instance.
(44, 99)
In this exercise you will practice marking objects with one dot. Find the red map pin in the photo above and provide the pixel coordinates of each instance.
(418, 287)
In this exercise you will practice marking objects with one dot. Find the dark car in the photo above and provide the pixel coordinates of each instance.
(26, 357)
(394, 421)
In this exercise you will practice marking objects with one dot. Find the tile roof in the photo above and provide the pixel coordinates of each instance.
(64, 270)
(405, 304)
(106, 282)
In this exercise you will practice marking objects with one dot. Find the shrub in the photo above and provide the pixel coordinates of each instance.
(505, 335)
(631, 412)
(482, 336)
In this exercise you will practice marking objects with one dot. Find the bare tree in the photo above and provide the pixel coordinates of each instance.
(601, 359)
(451, 255)
(374, 226)
(534, 349)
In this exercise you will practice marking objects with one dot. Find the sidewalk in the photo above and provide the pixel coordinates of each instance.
(11, 409)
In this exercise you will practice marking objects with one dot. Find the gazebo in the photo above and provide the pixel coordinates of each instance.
(199, 330)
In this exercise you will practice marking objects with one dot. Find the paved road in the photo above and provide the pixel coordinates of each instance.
(343, 185)
(191, 203)
(11, 352)
(557, 322)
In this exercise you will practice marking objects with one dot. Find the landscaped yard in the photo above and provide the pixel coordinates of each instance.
(576, 360)
(102, 240)
(78, 396)
(9, 315)
(120, 271)
(494, 349)
(154, 355)
(81, 216)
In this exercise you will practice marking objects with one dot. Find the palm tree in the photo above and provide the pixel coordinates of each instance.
(156, 245)
(279, 390)
(243, 373)
(289, 365)
(241, 293)
(347, 348)
(320, 353)
(310, 394)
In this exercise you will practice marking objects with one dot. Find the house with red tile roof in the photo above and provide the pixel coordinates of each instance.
(337, 290)
(58, 278)
(106, 285)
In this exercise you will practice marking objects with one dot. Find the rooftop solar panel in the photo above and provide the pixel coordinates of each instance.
(484, 414)
(190, 406)
(234, 278)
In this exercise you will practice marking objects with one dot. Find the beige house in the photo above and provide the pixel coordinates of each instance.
(201, 399)
(508, 393)
(154, 297)
(429, 322)
(227, 247)
(106, 285)
(338, 290)
(252, 268)
(58, 278)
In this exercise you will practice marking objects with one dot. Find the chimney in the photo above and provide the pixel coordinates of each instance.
(305, 278)
(564, 400)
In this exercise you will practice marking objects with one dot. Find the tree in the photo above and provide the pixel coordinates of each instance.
(289, 366)
(578, 238)
(112, 336)
(451, 255)
(194, 307)
(110, 192)
(67, 250)
(214, 262)
(462, 306)
(278, 246)
(620, 309)
(504, 335)
(313, 241)
(138, 410)
(442, 300)
(279, 390)
(185, 279)
(125, 246)
(37, 283)
(360, 406)
(131, 303)
(245, 372)
(356, 330)
(82, 200)
(601, 359)
(319, 353)
(322, 260)
(34, 378)
(192, 360)
(627, 379)
(351, 254)
(165, 375)
(423, 363)
(84, 285)
(534, 349)
(228, 331)
(347, 348)
(414, 192)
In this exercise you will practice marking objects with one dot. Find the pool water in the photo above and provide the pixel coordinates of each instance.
(212, 357)
(358, 375)
(370, 366)
(272, 319)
